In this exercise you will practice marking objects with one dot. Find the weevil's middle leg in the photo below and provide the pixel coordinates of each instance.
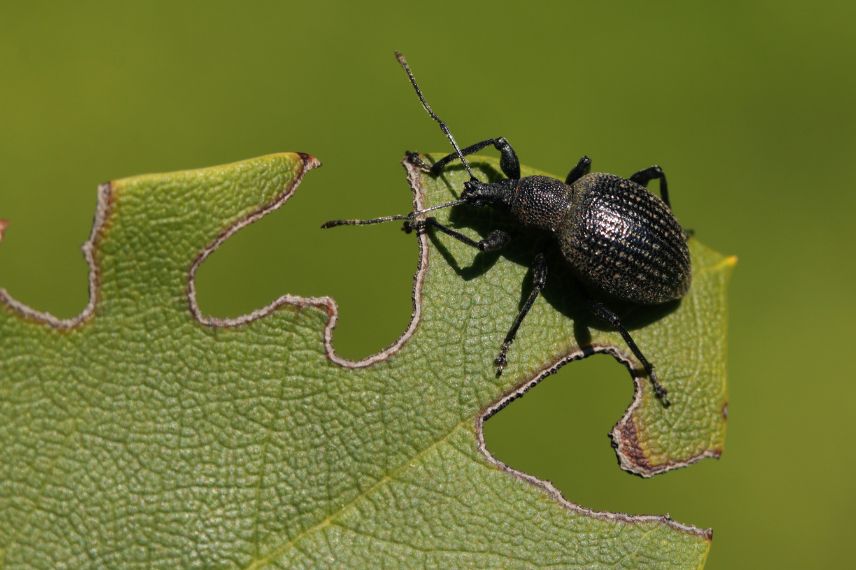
(539, 281)
(508, 160)
(602, 312)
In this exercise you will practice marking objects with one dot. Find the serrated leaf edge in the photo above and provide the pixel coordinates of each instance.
(329, 306)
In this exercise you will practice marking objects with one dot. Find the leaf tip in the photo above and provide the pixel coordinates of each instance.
(309, 161)
(725, 264)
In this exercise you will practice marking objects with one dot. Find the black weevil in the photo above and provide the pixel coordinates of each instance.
(618, 238)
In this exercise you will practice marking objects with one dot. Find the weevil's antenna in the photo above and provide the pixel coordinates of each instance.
(410, 216)
(400, 57)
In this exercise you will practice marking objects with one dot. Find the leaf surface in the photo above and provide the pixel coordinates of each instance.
(145, 434)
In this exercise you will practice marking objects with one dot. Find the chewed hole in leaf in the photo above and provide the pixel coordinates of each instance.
(369, 273)
(249, 443)
(558, 432)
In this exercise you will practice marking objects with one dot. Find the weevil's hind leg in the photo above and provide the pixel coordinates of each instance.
(581, 169)
(508, 160)
(601, 312)
(539, 281)
(495, 240)
(646, 175)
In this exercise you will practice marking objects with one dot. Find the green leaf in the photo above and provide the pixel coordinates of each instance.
(143, 433)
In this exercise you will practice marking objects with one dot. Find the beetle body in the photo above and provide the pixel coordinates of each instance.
(618, 237)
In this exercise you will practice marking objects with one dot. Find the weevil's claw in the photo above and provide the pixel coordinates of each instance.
(659, 391)
(661, 395)
(413, 225)
(688, 233)
(500, 361)
(416, 160)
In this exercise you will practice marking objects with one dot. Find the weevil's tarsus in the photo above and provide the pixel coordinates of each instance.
(416, 160)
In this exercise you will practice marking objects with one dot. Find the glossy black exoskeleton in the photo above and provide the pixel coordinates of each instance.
(618, 238)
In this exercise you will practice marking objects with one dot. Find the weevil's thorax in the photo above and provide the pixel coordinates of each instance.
(625, 241)
(540, 202)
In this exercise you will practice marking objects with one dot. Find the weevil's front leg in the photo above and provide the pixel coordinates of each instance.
(539, 281)
(508, 160)
(602, 312)
(495, 240)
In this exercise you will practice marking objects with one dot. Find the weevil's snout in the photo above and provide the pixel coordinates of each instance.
(479, 193)
(476, 193)
(472, 188)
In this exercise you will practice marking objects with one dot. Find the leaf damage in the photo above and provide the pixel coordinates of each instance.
(455, 441)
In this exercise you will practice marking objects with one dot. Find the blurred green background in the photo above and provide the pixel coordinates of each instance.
(749, 107)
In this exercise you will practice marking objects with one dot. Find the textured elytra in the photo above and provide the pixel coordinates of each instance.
(624, 240)
(140, 436)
